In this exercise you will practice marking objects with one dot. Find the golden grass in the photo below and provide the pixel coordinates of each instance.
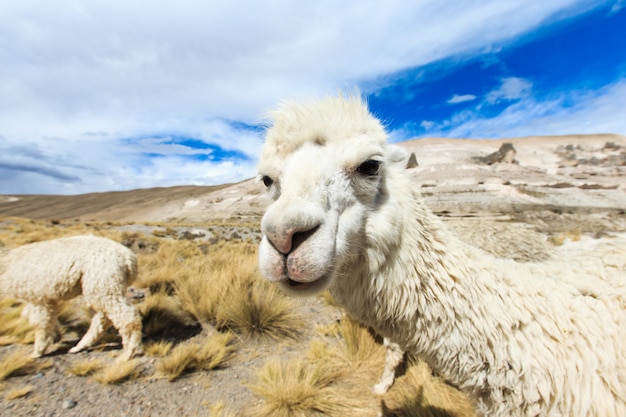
(19, 231)
(259, 309)
(334, 377)
(299, 388)
(13, 327)
(220, 410)
(200, 289)
(19, 362)
(357, 347)
(117, 372)
(419, 394)
(159, 270)
(225, 289)
(85, 367)
(180, 359)
(215, 352)
(158, 349)
(19, 392)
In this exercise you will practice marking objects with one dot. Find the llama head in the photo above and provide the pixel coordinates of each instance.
(325, 165)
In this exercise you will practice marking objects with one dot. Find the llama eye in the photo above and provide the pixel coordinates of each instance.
(267, 181)
(369, 168)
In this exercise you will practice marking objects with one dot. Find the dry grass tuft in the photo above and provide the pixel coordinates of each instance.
(19, 392)
(259, 309)
(220, 410)
(299, 388)
(231, 295)
(419, 394)
(215, 352)
(180, 359)
(85, 367)
(13, 327)
(159, 270)
(334, 379)
(117, 372)
(199, 289)
(158, 349)
(357, 347)
(19, 362)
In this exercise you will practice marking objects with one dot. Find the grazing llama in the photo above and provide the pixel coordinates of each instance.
(44, 273)
(521, 339)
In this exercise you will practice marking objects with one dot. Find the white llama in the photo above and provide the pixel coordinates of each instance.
(43, 273)
(522, 339)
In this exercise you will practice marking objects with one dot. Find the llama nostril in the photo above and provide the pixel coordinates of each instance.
(287, 241)
(299, 237)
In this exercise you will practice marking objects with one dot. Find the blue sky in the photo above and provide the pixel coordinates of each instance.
(115, 95)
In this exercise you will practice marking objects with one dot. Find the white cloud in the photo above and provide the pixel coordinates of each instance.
(461, 98)
(617, 6)
(599, 111)
(78, 78)
(427, 124)
(511, 88)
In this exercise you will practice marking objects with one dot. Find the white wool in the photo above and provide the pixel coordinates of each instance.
(43, 273)
(522, 339)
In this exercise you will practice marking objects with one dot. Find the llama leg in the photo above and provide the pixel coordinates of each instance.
(99, 324)
(393, 358)
(43, 319)
(127, 320)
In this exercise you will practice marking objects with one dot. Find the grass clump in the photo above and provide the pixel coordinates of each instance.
(215, 352)
(220, 410)
(118, 372)
(419, 394)
(259, 310)
(13, 327)
(158, 349)
(85, 367)
(18, 392)
(159, 271)
(19, 362)
(299, 388)
(231, 295)
(357, 347)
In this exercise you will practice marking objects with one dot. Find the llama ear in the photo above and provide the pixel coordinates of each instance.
(396, 155)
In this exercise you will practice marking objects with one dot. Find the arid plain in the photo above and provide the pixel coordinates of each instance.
(559, 194)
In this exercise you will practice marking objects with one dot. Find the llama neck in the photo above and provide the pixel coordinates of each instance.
(415, 283)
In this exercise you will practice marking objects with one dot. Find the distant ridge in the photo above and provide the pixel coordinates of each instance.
(568, 174)
(111, 205)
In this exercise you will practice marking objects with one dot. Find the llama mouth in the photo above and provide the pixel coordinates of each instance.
(298, 285)
(294, 286)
